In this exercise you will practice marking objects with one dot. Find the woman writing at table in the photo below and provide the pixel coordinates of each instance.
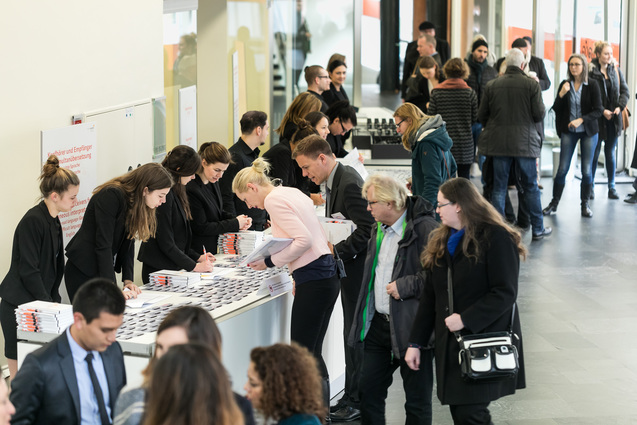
(209, 220)
(308, 257)
(120, 210)
(37, 258)
(170, 247)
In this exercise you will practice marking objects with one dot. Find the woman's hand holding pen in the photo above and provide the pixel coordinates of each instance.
(131, 290)
(258, 265)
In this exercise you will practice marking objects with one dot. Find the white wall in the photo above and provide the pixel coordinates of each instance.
(60, 58)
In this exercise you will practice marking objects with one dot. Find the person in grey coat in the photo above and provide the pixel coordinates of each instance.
(388, 300)
(511, 111)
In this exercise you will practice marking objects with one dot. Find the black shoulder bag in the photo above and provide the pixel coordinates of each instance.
(489, 356)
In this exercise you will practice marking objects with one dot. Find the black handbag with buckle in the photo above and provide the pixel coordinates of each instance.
(488, 356)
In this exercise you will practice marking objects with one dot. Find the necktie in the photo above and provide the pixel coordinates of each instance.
(98, 390)
(328, 210)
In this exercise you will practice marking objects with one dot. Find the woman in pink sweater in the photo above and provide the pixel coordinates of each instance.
(308, 257)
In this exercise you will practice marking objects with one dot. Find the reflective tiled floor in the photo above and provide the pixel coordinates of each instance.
(578, 305)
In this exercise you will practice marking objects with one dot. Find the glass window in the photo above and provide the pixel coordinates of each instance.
(180, 65)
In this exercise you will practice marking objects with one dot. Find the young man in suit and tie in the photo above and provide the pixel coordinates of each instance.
(344, 196)
(76, 378)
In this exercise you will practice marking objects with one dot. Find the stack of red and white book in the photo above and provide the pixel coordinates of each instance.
(43, 316)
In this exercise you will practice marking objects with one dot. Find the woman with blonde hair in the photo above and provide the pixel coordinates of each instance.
(284, 384)
(308, 257)
(37, 262)
(481, 254)
(614, 90)
(120, 210)
(427, 139)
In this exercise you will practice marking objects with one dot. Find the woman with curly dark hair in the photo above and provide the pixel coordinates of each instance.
(285, 385)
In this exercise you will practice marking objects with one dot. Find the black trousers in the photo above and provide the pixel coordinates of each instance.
(471, 414)
(311, 312)
(73, 279)
(350, 288)
(377, 374)
(9, 329)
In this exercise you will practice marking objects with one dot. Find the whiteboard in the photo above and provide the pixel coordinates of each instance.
(124, 139)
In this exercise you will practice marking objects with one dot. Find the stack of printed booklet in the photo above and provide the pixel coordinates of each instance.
(240, 243)
(43, 316)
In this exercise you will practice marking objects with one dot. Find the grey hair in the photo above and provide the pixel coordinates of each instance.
(387, 189)
(515, 57)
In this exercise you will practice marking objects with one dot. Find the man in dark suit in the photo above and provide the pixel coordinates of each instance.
(344, 197)
(254, 133)
(412, 54)
(77, 377)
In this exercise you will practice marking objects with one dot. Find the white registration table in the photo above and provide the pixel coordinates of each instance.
(245, 319)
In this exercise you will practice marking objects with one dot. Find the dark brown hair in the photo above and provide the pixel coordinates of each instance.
(476, 213)
(212, 152)
(302, 105)
(456, 68)
(290, 380)
(190, 386)
(305, 128)
(141, 221)
(182, 161)
(55, 178)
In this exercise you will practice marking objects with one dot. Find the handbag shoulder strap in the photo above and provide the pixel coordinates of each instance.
(444, 158)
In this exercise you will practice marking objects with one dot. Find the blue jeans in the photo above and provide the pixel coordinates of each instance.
(527, 176)
(567, 147)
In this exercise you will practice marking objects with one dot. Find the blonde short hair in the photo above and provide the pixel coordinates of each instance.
(256, 174)
(387, 189)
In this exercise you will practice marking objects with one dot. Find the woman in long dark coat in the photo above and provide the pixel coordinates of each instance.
(483, 253)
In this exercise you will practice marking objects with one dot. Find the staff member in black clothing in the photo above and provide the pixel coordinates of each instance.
(342, 118)
(302, 105)
(344, 196)
(254, 132)
(209, 215)
(337, 70)
(283, 167)
(170, 247)
(120, 210)
(37, 259)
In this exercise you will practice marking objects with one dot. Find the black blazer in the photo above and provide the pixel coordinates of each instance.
(336, 143)
(37, 259)
(346, 198)
(332, 95)
(45, 391)
(101, 246)
(209, 219)
(591, 106)
(324, 105)
(170, 248)
(242, 157)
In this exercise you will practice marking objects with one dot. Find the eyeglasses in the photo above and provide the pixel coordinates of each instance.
(438, 206)
(399, 123)
(343, 129)
(370, 203)
(323, 76)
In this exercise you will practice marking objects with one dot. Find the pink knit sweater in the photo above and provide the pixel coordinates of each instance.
(293, 216)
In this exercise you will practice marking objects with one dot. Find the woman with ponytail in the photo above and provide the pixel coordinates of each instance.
(37, 258)
(119, 211)
(308, 257)
(170, 247)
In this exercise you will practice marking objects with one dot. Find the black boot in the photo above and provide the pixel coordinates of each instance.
(585, 196)
(557, 195)
(325, 386)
